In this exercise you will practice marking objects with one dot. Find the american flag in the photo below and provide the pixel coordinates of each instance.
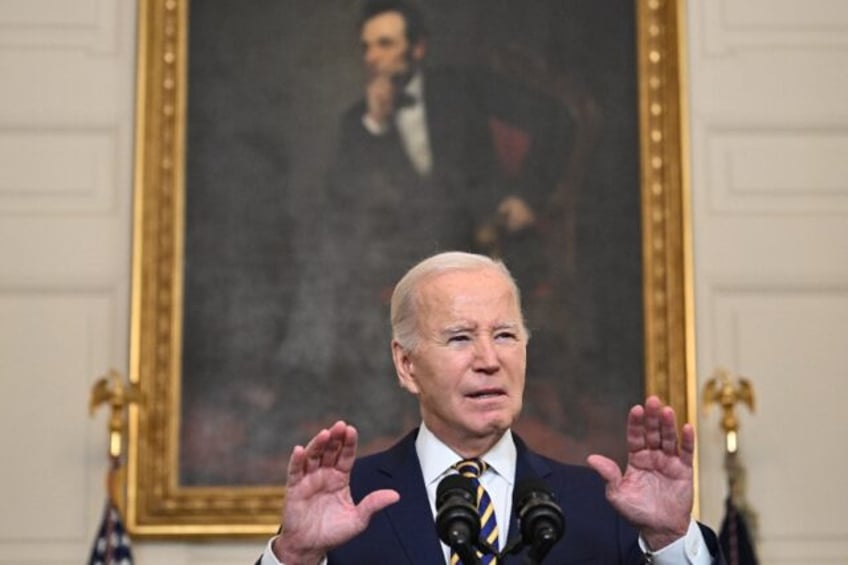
(112, 545)
(735, 537)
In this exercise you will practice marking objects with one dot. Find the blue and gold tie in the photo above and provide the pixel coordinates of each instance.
(473, 468)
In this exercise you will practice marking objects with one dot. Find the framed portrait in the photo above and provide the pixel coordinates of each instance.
(273, 214)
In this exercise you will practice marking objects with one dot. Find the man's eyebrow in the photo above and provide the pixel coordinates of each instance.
(457, 328)
(468, 327)
(461, 327)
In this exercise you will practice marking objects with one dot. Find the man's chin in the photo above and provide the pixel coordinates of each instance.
(494, 427)
(395, 76)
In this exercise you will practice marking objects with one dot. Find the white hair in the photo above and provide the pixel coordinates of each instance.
(405, 296)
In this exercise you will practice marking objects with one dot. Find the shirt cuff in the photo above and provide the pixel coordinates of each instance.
(268, 557)
(690, 549)
(374, 128)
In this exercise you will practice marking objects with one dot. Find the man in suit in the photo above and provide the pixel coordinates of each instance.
(459, 346)
(415, 173)
(421, 136)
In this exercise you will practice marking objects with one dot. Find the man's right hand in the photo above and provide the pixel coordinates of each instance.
(318, 512)
(380, 96)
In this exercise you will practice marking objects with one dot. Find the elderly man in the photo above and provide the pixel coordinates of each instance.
(459, 346)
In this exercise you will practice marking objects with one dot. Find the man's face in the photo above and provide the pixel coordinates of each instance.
(468, 367)
(385, 47)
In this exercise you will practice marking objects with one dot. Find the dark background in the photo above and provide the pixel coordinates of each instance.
(268, 81)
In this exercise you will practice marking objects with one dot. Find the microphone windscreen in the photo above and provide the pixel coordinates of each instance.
(455, 485)
(540, 518)
(528, 489)
(457, 520)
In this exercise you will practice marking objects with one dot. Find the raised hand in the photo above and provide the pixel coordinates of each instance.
(318, 512)
(515, 214)
(656, 491)
(380, 95)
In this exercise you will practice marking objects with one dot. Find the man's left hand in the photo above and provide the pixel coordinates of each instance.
(515, 214)
(656, 491)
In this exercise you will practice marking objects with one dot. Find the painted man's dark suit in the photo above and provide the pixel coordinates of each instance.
(375, 178)
(384, 216)
(405, 532)
(383, 200)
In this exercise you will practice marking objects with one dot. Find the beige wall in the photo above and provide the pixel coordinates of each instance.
(769, 137)
(769, 140)
(66, 87)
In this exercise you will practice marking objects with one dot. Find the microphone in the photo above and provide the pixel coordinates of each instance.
(540, 518)
(457, 520)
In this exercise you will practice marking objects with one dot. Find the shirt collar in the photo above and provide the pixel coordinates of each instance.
(415, 87)
(436, 458)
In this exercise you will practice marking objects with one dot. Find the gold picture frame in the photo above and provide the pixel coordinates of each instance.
(157, 504)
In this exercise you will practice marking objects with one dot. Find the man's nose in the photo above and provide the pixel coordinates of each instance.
(370, 56)
(486, 356)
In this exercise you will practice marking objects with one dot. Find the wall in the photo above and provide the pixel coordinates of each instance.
(769, 140)
(769, 137)
(66, 70)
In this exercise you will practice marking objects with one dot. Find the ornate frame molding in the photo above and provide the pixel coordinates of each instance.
(157, 505)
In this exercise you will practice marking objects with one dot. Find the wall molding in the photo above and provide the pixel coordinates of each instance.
(775, 169)
(90, 26)
(729, 27)
(58, 170)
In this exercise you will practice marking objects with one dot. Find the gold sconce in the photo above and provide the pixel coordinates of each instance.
(113, 390)
(727, 391)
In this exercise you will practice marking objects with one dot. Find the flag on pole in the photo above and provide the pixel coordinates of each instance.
(112, 545)
(735, 537)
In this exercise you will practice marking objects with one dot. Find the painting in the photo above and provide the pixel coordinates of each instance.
(274, 212)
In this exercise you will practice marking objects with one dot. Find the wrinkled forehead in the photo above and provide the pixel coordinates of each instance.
(449, 290)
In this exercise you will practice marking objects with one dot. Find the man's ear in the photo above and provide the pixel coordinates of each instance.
(404, 366)
(419, 50)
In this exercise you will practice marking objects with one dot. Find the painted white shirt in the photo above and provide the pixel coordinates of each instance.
(411, 123)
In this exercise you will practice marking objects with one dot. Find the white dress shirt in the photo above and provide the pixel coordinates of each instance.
(411, 122)
(437, 461)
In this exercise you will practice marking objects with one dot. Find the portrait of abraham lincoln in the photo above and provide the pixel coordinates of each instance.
(331, 145)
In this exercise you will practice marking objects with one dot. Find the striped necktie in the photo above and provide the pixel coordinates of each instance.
(473, 468)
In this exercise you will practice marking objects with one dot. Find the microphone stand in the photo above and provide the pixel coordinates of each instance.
(467, 550)
(538, 551)
(466, 553)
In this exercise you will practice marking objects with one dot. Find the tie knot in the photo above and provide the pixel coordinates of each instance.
(471, 468)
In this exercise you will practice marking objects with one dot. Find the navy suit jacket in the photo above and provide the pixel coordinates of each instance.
(405, 532)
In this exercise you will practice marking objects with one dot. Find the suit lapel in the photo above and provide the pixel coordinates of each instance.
(527, 466)
(411, 518)
(445, 115)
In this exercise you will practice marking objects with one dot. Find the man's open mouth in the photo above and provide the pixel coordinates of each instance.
(486, 393)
